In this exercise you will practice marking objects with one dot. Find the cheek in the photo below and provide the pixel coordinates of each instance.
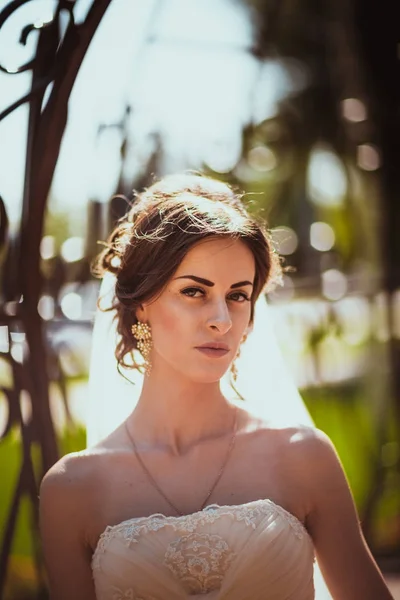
(241, 315)
(171, 320)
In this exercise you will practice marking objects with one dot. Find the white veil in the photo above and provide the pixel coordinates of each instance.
(263, 380)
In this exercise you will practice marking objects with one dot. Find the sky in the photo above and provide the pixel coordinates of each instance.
(183, 66)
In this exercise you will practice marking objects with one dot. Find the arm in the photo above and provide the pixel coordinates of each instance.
(345, 560)
(62, 516)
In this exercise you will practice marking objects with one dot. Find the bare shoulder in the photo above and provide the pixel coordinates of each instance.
(78, 482)
(315, 467)
(68, 481)
(313, 487)
(309, 450)
(80, 472)
(305, 442)
(70, 498)
(69, 495)
(298, 439)
(312, 451)
(82, 469)
(304, 456)
(72, 469)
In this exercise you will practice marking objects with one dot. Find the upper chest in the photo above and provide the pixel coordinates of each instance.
(257, 468)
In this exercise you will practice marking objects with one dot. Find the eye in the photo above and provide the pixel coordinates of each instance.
(239, 297)
(192, 292)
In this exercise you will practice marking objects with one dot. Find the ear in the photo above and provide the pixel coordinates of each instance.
(141, 313)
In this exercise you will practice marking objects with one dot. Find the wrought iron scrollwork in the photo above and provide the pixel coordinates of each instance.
(12, 7)
(60, 50)
(41, 82)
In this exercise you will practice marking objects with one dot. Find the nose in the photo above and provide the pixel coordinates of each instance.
(220, 319)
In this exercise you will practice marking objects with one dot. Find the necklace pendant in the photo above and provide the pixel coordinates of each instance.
(158, 488)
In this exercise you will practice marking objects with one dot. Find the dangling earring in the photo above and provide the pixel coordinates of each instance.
(234, 369)
(142, 333)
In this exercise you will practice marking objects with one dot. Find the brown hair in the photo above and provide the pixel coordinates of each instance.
(164, 222)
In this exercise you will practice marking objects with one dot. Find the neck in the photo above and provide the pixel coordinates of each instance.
(177, 415)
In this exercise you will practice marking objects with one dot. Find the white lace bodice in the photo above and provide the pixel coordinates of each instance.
(256, 550)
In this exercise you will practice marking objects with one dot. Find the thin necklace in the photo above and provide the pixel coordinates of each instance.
(154, 482)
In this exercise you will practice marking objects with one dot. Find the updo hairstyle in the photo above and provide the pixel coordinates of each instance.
(165, 221)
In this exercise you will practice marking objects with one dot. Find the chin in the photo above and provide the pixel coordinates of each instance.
(200, 373)
(207, 377)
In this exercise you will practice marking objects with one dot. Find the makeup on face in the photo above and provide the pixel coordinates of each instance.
(200, 318)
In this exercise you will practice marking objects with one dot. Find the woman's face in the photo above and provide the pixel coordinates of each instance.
(205, 304)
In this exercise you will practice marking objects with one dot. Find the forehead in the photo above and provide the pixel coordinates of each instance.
(230, 257)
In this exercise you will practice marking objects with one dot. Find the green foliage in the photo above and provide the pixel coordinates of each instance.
(23, 581)
(343, 414)
(58, 225)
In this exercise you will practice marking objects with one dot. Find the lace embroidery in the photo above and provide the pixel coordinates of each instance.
(132, 529)
(129, 594)
(199, 561)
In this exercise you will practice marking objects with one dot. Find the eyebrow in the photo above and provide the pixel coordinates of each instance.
(209, 283)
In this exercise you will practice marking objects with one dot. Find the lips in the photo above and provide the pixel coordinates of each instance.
(213, 352)
(214, 346)
(213, 349)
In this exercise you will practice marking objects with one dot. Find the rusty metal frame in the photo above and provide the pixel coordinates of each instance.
(56, 63)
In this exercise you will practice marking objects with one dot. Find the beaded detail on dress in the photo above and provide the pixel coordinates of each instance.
(129, 594)
(132, 529)
(252, 551)
(199, 561)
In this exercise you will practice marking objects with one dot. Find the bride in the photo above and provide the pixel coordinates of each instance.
(190, 493)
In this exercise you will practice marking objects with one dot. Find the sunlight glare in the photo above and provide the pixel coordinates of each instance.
(326, 177)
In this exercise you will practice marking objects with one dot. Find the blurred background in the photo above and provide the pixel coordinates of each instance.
(298, 104)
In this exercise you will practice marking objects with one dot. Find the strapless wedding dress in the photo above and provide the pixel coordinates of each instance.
(252, 551)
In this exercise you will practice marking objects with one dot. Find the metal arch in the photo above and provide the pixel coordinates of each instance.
(57, 61)
(11, 8)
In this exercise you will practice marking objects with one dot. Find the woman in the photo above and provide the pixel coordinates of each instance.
(193, 495)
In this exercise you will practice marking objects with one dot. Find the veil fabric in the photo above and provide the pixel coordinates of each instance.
(264, 381)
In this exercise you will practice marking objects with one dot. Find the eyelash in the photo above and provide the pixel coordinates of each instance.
(194, 289)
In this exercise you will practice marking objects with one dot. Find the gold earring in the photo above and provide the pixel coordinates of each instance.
(142, 333)
(234, 369)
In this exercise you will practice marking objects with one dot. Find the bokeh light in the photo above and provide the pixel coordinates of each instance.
(71, 305)
(334, 284)
(285, 240)
(354, 110)
(261, 158)
(46, 307)
(326, 177)
(47, 247)
(368, 157)
(73, 249)
(322, 236)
